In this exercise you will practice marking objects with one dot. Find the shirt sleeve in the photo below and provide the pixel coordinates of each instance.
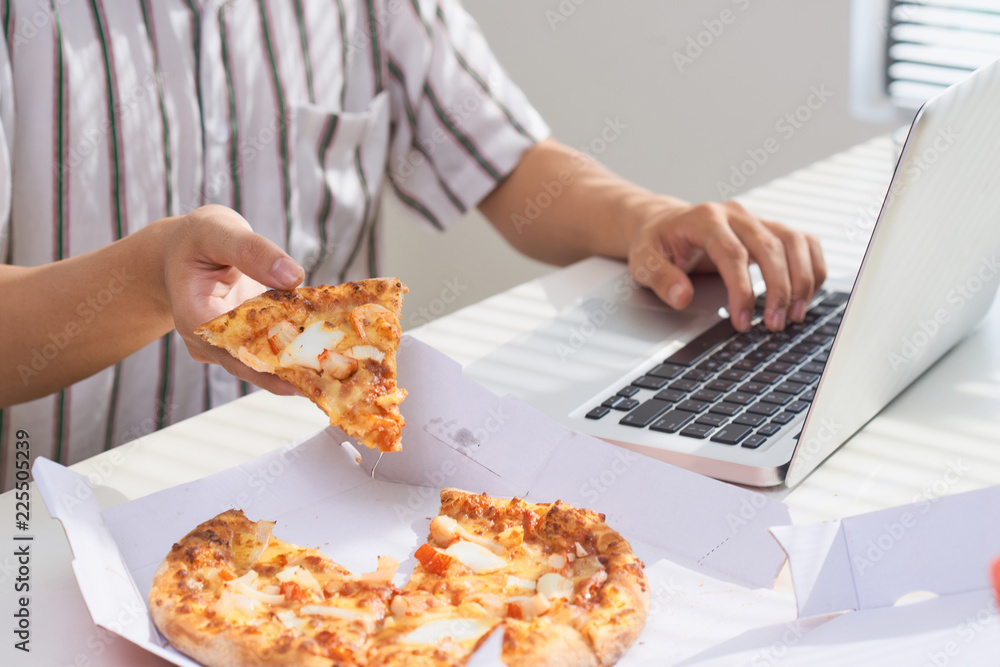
(460, 124)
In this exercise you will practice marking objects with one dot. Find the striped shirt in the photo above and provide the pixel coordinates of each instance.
(296, 113)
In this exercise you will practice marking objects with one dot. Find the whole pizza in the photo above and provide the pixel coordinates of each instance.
(560, 584)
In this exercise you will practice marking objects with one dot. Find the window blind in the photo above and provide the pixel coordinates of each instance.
(931, 44)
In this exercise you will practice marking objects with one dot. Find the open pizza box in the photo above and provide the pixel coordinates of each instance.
(709, 550)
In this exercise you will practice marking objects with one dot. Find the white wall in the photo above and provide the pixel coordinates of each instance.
(686, 126)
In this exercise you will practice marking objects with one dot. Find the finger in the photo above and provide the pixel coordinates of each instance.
(818, 262)
(653, 269)
(769, 253)
(732, 261)
(800, 270)
(251, 253)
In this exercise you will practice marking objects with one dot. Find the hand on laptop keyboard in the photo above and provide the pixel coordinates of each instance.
(726, 238)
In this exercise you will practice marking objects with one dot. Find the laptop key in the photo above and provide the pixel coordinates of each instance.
(828, 329)
(836, 298)
(808, 396)
(817, 338)
(805, 348)
(670, 395)
(760, 355)
(766, 409)
(697, 375)
(728, 409)
(779, 368)
(628, 392)
(711, 364)
(649, 382)
(822, 357)
(669, 371)
(813, 367)
(733, 374)
(694, 351)
(741, 397)
(598, 412)
(748, 364)
(804, 378)
(791, 358)
(769, 429)
(683, 385)
(712, 419)
(645, 413)
(777, 397)
(613, 401)
(627, 404)
(732, 434)
(720, 385)
(789, 387)
(706, 395)
(753, 387)
(672, 421)
(796, 406)
(766, 378)
(783, 417)
(700, 431)
(692, 406)
(754, 441)
(750, 419)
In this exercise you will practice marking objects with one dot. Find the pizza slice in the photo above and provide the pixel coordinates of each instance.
(565, 587)
(336, 344)
(230, 593)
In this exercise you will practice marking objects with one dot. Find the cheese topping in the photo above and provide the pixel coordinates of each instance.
(475, 557)
(306, 348)
(553, 585)
(455, 629)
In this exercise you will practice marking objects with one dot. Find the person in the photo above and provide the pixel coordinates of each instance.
(141, 141)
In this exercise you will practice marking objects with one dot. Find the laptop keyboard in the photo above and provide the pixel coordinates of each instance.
(733, 388)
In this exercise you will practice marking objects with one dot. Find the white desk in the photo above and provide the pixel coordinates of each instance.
(941, 436)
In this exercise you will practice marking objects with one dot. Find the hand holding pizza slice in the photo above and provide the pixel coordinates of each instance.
(336, 344)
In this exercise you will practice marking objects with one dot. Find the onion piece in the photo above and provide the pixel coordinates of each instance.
(360, 352)
(518, 582)
(305, 578)
(305, 350)
(247, 590)
(553, 585)
(290, 620)
(447, 529)
(287, 574)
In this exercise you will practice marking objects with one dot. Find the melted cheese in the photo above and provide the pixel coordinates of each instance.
(305, 349)
(456, 629)
(475, 557)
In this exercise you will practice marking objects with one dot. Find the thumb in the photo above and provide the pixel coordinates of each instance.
(251, 253)
(669, 282)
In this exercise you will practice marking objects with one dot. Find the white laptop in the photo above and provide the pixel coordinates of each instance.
(765, 409)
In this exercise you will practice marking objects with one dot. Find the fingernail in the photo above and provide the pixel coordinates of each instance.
(286, 272)
(743, 321)
(776, 320)
(674, 295)
(798, 311)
